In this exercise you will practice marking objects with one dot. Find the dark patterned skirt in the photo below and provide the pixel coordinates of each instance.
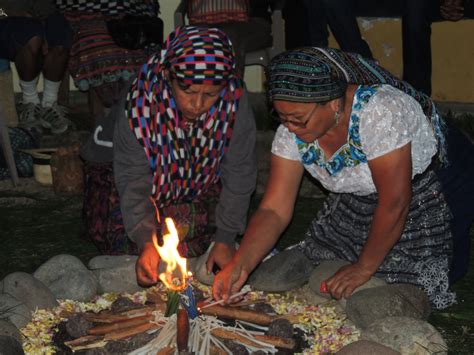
(104, 222)
(422, 255)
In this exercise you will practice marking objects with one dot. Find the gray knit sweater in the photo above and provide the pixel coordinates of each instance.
(238, 176)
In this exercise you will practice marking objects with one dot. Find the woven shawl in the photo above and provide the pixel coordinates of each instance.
(185, 161)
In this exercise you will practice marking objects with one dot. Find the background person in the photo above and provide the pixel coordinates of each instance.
(37, 38)
(417, 17)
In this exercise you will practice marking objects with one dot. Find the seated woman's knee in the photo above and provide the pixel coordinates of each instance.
(35, 44)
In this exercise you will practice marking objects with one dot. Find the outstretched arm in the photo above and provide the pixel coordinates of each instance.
(133, 179)
(391, 174)
(266, 225)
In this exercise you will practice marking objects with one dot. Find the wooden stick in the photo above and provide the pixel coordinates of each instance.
(214, 350)
(112, 318)
(182, 330)
(276, 341)
(292, 318)
(121, 325)
(129, 332)
(246, 303)
(86, 342)
(216, 303)
(168, 350)
(103, 318)
(247, 315)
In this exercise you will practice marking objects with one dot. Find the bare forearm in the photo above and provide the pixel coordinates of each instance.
(385, 232)
(262, 233)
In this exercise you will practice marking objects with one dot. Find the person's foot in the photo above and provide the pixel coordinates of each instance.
(29, 115)
(54, 118)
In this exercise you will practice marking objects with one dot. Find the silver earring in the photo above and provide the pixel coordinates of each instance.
(337, 117)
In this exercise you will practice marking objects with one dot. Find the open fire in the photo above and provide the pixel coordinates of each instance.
(176, 275)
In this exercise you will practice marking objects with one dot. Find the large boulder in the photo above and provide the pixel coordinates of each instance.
(14, 311)
(328, 268)
(9, 329)
(406, 335)
(115, 273)
(68, 278)
(366, 347)
(10, 346)
(282, 272)
(368, 305)
(28, 290)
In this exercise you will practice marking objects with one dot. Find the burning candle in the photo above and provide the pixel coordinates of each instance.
(176, 277)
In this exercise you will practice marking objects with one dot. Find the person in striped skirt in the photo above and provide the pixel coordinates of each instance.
(399, 181)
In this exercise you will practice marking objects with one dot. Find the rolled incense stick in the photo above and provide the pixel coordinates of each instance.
(244, 290)
(247, 315)
(182, 330)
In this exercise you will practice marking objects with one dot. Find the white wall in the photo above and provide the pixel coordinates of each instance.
(253, 74)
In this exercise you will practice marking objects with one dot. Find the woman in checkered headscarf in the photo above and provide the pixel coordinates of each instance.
(188, 132)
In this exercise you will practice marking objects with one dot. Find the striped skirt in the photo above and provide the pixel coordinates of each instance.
(422, 255)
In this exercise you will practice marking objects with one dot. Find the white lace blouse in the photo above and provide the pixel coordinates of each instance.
(385, 119)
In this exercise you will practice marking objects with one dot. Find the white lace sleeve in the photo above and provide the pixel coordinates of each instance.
(388, 121)
(284, 144)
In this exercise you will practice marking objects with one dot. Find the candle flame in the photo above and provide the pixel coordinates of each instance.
(176, 269)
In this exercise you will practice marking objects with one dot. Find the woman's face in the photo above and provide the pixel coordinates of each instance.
(194, 100)
(309, 121)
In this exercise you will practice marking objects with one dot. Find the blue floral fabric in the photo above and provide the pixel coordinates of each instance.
(350, 154)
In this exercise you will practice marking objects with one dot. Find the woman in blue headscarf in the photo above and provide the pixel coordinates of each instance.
(376, 145)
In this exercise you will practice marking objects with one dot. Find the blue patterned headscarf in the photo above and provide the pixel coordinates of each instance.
(320, 75)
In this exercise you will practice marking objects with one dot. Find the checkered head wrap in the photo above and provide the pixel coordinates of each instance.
(185, 161)
(199, 55)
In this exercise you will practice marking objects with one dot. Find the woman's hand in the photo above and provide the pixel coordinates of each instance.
(221, 254)
(392, 178)
(229, 281)
(146, 267)
(347, 279)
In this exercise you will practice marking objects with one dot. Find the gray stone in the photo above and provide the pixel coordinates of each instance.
(366, 347)
(68, 278)
(366, 306)
(9, 329)
(199, 269)
(406, 335)
(322, 272)
(111, 261)
(115, 273)
(29, 290)
(308, 296)
(10, 346)
(327, 269)
(284, 271)
(14, 311)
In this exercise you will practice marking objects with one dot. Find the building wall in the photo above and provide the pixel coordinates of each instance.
(452, 54)
(452, 47)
